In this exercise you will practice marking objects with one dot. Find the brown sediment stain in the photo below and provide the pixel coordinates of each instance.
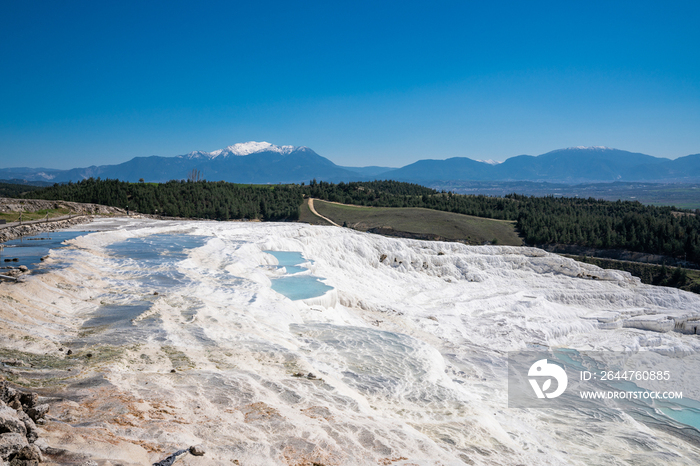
(78, 444)
(388, 461)
(296, 456)
(260, 411)
(148, 446)
(318, 412)
(106, 405)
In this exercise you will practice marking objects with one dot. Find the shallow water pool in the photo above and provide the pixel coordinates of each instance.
(300, 287)
(294, 285)
(157, 249)
(29, 250)
(151, 261)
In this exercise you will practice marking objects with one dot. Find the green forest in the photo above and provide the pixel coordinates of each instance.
(198, 199)
(15, 190)
(540, 220)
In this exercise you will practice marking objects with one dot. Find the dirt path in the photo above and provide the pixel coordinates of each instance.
(313, 211)
(41, 220)
(15, 230)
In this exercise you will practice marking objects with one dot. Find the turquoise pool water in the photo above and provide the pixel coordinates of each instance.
(290, 260)
(294, 285)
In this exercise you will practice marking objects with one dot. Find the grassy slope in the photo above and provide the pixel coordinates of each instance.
(473, 230)
(306, 216)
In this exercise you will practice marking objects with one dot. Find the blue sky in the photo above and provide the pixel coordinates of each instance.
(362, 83)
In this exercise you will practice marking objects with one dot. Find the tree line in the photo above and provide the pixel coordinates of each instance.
(15, 190)
(200, 199)
(540, 220)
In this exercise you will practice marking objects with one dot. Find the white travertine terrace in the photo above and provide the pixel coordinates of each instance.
(408, 354)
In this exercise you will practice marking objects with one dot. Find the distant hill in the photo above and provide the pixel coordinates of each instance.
(368, 171)
(261, 163)
(571, 166)
(456, 168)
(252, 162)
(576, 165)
(27, 183)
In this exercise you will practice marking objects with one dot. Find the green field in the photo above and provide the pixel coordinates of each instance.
(421, 223)
(306, 216)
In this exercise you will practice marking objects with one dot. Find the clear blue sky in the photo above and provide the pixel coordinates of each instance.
(362, 83)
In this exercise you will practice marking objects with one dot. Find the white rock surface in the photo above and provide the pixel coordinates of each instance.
(410, 359)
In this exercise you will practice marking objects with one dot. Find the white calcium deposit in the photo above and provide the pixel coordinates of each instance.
(408, 351)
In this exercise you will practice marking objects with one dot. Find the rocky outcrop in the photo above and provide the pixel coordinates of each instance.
(15, 231)
(195, 450)
(10, 444)
(29, 455)
(13, 272)
(32, 205)
(80, 213)
(19, 414)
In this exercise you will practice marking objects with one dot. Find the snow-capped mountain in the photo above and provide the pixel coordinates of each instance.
(248, 162)
(241, 149)
(263, 162)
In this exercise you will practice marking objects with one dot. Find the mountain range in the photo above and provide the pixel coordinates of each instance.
(262, 162)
